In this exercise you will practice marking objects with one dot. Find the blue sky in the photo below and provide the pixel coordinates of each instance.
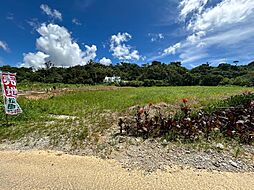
(137, 31)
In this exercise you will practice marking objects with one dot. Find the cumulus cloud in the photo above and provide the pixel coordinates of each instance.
(4, 46)
(120, 49)
(105, 61)
(88, 54)
(53, 13)
(55, 44)
(34, 60)
(225, 25)
(172, 49)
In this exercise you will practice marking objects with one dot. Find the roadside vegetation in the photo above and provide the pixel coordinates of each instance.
(86, 112)
(231, 118)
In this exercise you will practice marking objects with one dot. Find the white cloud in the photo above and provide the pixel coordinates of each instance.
(76, 21)
(194, 38)
(55, 44)
(4, 46)
(34, 60)
(230, 37)
(88, 54)
(121, 50)
(119, 38)
(156, 37)
(105, 61)
(34, 23)
(55, 14)
(189, 6)
(10, 16)
(225, 26)
(190, 56)
(224, 13)
(160, 36)
(172, 49)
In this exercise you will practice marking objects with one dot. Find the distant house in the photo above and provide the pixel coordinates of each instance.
(112, 79)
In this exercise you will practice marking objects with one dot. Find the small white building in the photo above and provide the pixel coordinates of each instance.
(112, 79)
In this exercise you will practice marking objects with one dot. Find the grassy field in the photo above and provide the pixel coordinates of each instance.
(92, 110)
(44, 86)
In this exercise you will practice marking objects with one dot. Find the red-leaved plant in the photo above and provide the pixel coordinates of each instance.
(184, 107)
(235, 122)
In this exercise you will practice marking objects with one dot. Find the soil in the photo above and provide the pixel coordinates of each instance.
(149, 155)
(44, 94)
(55, 170)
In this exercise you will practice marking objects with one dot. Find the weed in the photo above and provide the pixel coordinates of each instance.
(93, 108)
(237, 151)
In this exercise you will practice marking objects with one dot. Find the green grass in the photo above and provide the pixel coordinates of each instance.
(80, 103)
(90, 108)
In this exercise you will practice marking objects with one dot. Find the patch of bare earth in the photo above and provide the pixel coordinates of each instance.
(44, 94)
(55, 170)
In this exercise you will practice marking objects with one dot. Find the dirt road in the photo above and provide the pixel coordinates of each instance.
(52, 170)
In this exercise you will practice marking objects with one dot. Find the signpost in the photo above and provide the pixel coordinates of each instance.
(9, 90)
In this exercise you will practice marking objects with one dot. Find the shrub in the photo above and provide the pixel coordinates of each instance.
(233, 122)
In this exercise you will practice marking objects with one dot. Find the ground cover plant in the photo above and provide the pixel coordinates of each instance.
(234, 120)
(78, 115)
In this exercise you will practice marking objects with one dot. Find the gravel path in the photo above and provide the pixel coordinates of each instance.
(152, 155)
(54, 170)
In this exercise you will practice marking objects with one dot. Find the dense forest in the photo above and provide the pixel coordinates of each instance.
(154, 74)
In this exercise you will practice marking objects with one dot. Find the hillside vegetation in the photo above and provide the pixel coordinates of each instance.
(154, 74)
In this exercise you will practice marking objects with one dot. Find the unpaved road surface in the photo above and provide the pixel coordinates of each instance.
(52, 170)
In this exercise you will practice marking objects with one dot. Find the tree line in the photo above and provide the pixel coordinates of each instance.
(153, 74)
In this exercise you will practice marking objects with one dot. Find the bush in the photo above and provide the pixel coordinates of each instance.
(226, 81)
(241, 81)
(233, 122)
